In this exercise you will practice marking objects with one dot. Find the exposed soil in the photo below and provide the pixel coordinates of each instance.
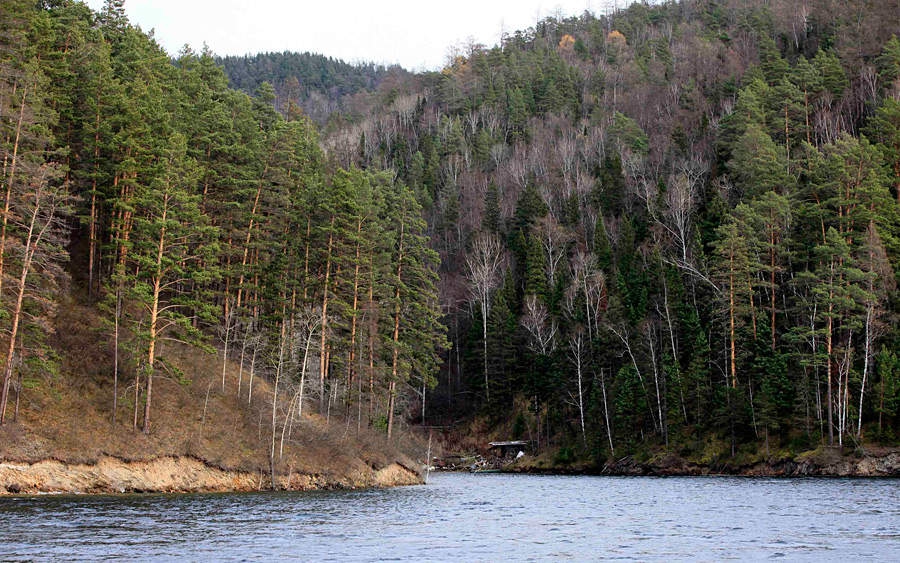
(174, 474)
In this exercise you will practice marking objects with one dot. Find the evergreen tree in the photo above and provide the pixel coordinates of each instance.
(170, 242)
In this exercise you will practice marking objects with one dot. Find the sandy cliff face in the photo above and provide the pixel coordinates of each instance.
(175, 474)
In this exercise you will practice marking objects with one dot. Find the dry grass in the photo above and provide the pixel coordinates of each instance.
(68, 417)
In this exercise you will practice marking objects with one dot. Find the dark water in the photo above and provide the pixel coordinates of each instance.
(462, 517)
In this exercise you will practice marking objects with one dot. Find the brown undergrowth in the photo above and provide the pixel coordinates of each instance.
(67, 417)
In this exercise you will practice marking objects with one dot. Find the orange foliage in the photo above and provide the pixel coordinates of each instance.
(616, 38)
(566, 43)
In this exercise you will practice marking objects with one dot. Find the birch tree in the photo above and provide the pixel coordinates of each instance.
(485, 267)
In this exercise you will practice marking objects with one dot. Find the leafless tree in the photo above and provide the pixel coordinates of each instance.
(681, 201)
(498, 154)
(590, 282)
(518, 168)
(878, 266)
(490, 120)
(485, 267)
(554, 242)
(623, 336)
(279, 364)
(612, 449)
(567, 149)
(540, 326)
(225, 333)
(306, 326)
(577, 350)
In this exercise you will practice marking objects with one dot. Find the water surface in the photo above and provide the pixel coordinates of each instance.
(463, 517)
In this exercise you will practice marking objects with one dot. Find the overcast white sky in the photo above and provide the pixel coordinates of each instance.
(414, 33)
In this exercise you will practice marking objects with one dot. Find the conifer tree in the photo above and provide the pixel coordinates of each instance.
(172, 239)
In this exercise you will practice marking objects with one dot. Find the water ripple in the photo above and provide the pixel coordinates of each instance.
(473, 517)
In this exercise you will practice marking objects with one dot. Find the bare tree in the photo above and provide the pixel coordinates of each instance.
(517, 166)
(225, 330)
(485, 267)
(681, 201)
(246, 343)
(540, 327)
(576, 355)
(612, 449)
(306, 326)
(622, 334)
(650, 328)
(878, 266)
(279, 363)
(590, 282)
(554, 240)
(498, 154)
(567, 150)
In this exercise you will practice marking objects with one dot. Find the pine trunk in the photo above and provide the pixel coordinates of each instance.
(351, 354)
(323, 364)
(154, 317)
(395, 361)
(9, 186)
(248, 238)
(14, 331)
(731, 322)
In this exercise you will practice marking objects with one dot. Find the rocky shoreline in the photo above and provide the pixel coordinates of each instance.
(185, 474)
(824, 462)
(866, 466)
(111, 475)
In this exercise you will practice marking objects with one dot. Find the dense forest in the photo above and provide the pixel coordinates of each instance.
(186, 211)
(321, 86)
(673, 226)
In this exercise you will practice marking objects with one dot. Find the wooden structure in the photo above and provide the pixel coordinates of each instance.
(512, 446)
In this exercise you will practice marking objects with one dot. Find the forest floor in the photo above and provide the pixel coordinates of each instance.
(202, 438)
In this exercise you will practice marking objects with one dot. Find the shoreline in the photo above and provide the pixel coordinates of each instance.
(110, 475)
(822, 462)
(825, 462)
(177, 474)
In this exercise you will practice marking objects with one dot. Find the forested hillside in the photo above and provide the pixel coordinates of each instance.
(320, 86)
(676, 225)
(670, 228)
(179, 210)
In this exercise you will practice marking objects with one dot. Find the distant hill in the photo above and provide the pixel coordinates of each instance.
(318, 84)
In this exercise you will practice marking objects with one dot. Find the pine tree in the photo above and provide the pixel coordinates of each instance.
(171, 241)
(416, 335)
(757, 166)
(734, 275)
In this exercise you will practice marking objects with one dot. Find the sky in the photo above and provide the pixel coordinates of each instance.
(417, 34)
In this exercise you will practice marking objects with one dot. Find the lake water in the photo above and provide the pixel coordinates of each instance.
(464, 517)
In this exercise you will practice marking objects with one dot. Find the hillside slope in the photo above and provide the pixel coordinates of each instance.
(203, 439)
(673, 225)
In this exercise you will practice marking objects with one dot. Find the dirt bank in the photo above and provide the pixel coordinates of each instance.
(204, 437)
(175, 474)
